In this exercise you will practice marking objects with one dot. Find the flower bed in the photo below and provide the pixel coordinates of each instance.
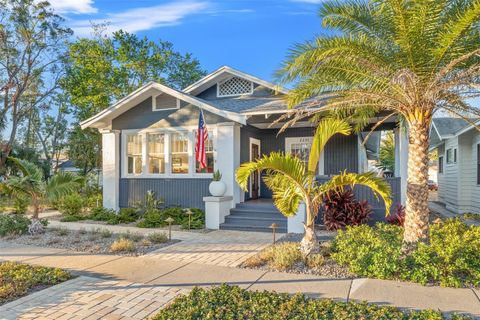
(17, 279)
(226, 302)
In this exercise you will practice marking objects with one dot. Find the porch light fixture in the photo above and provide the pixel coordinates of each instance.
(169, 220)
(274, 227)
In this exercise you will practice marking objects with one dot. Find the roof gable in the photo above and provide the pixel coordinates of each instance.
(103, 119)
(223, 74)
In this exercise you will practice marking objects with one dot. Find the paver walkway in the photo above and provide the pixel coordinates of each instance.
(220, 247)
(115, 277)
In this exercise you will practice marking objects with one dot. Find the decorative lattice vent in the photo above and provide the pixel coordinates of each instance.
(234, 86)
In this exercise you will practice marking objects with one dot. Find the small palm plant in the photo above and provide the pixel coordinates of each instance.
(33, 186)
(292, 183)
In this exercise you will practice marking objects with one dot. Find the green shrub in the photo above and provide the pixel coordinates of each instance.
(17, 279)
(13, 224)
(134, 236)
(281, 256)
(471, 216)
(370, 252)
(94, 201)
(102, 214)
(197, 219)
(20, 205)
(152, 219)
(72, 204)
(450, 259)
(127, 215)
(157, 237)
(232, 302)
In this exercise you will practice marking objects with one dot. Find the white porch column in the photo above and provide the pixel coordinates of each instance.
(228, 158)
(111, 168)
(401, 161)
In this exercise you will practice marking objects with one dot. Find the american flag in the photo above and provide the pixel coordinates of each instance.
(202, 137)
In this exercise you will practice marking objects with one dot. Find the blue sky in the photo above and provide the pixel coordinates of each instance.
(252, 36)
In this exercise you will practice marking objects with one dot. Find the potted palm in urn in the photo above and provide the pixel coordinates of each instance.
(217, 187)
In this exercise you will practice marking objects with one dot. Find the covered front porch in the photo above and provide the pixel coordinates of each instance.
(353, 153)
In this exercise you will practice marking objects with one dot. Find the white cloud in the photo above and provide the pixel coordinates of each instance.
(73, 6)
(145, 18)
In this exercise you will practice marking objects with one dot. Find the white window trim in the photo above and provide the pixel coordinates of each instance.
(168, 169)
(233, 95)
(453, 160)
(154, 104)
(292, 140)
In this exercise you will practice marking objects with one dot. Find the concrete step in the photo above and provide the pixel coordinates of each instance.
(261, 222)
(235, 227)
(256, 213)
(268, 206)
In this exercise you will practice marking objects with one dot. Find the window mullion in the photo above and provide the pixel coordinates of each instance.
(144, 154)
(168, 156)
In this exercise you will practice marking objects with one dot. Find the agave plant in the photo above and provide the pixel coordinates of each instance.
(393, 58)
(32, 185)
(292, 183)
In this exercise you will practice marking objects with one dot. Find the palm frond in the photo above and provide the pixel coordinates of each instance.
(286, 195)
(326, 129)
(62, 184)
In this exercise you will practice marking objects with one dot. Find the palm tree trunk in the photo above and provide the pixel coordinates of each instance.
(309, 243)
(417, 212)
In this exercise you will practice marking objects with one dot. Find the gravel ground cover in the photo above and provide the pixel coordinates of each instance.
(97, 241)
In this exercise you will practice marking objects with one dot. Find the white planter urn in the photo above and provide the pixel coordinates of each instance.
(217, 188)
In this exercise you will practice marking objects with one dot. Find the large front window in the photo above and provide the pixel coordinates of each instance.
(156, 153)
(134, 154)
(179, 153)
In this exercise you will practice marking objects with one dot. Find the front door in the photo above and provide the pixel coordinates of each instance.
(255, 178)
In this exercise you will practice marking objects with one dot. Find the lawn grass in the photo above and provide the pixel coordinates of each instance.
(18, 279)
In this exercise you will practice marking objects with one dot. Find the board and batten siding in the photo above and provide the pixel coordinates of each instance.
(179, 192)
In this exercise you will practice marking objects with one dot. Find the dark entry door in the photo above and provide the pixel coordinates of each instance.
(255, 178)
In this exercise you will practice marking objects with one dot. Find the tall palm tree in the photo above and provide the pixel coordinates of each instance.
(403, 58)
(32, 185)
(293, 183)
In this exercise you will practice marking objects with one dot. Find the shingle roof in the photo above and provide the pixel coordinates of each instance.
(449, 126)
(249, 104)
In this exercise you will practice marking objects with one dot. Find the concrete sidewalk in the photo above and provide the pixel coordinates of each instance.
(156, 272)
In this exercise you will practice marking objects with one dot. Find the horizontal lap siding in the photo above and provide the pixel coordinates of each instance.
(186, 193)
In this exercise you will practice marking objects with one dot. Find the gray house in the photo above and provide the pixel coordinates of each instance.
(458, 145)
(149, 137)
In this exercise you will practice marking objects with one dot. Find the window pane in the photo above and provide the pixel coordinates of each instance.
(156, 153)
(209, 155)
(134, 154)
(180, 163)
(179, 153)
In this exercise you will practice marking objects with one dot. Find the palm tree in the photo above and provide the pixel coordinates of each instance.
(292, 184)
(400, 58)
(32, 185)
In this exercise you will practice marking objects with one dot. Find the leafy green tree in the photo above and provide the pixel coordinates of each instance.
(387, 152)
(406, 58)
(32, 41)
(104, 69)
(31, 184)
(292, 183)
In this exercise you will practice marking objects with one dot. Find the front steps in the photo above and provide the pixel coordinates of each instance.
(254, 216)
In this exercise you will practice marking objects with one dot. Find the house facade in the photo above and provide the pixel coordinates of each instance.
(149, 136)
(458, 146)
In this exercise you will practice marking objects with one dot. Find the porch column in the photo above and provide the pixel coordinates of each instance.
(228, 157)
(401, 161)
(111, 168)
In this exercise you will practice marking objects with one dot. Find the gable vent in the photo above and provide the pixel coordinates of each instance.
(234, 87)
